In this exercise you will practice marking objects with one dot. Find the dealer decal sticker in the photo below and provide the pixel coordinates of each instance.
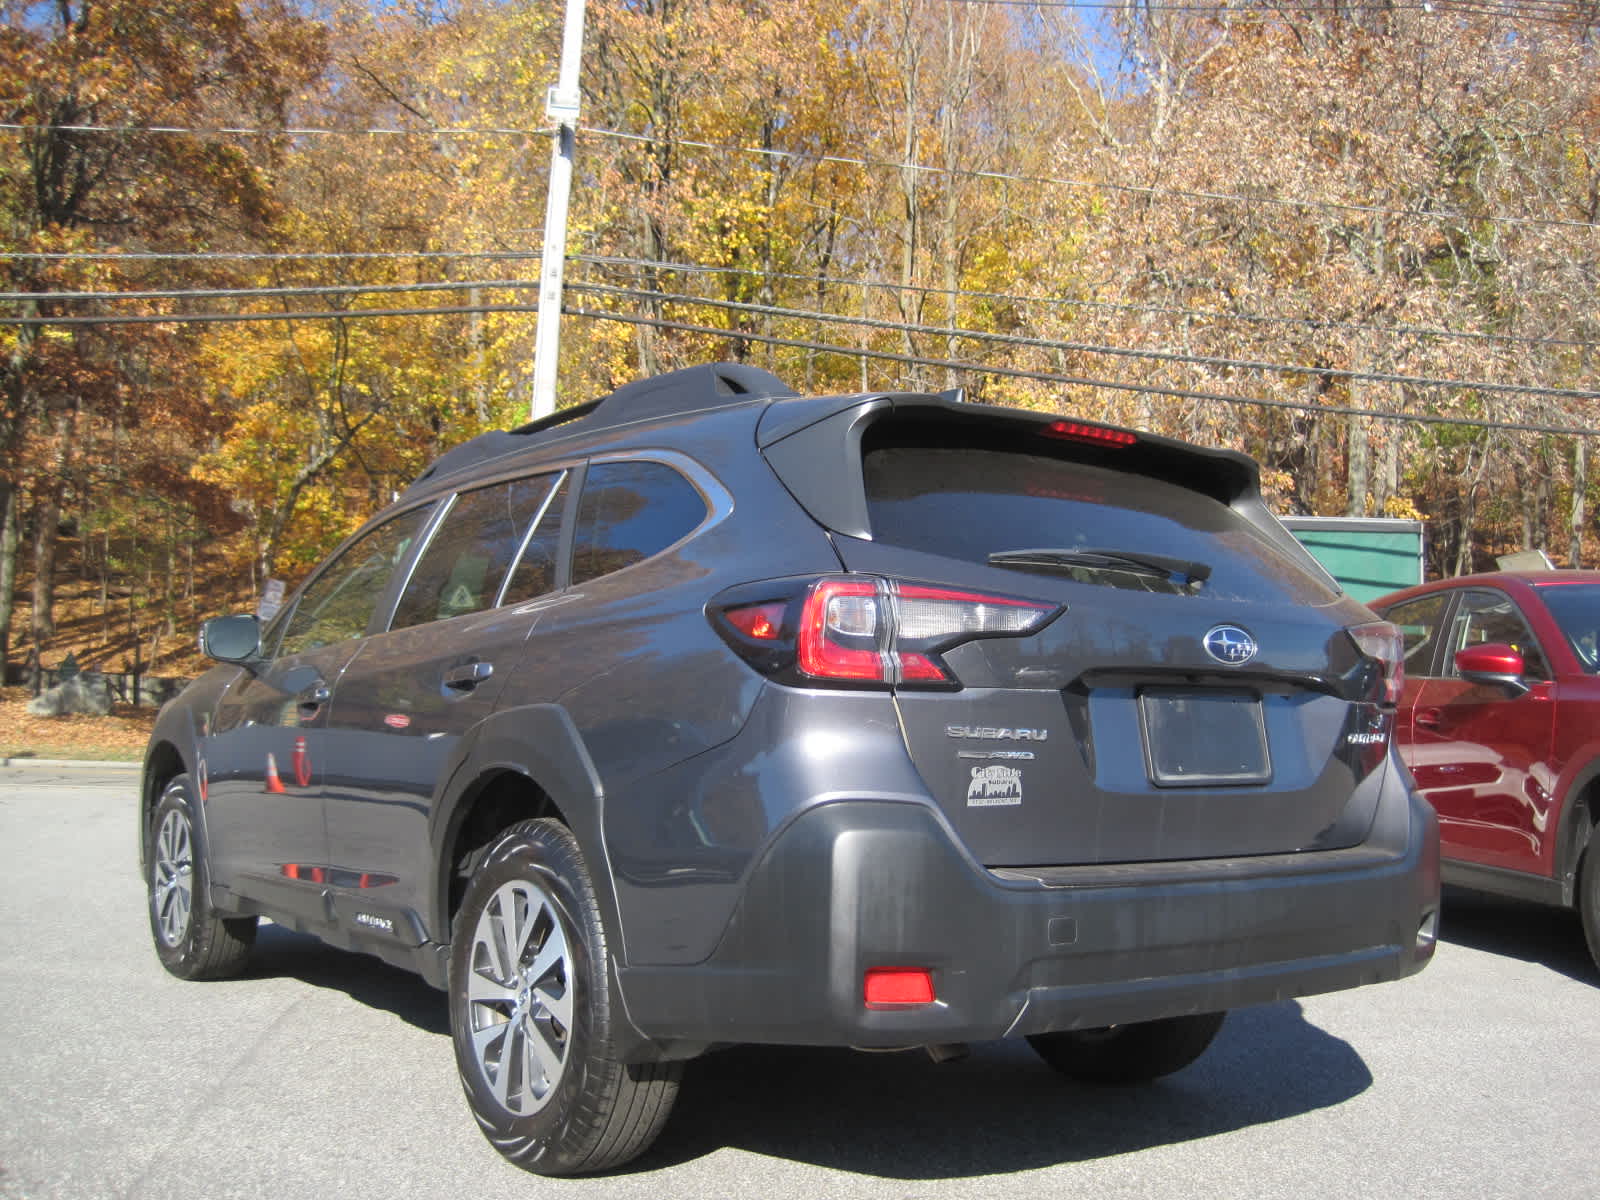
(994, 786)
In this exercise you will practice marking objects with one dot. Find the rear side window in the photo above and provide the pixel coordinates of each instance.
(467, 559)
(630, 511)
(969, 503)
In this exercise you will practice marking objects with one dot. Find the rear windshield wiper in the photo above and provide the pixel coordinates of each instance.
(1122, 560)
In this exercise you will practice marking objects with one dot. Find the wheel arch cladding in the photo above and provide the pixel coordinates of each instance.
(523, 763)
(162, 765)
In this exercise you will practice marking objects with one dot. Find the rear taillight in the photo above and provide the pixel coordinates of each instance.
(865, 631)
(1382, 642)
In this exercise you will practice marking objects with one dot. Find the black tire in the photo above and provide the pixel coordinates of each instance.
(192, 941)
(1589, 896)
(533, 1017)
(1125, 1054)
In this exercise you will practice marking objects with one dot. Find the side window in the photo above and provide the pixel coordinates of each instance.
(1487, 616)
(1419, 628)
(535, 572)
(339, 603)
(630, 511)
(467, 559)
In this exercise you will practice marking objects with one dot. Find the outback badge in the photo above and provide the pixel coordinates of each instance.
(1229, 644)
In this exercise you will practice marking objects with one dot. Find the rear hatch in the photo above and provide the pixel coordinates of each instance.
(1195, 690)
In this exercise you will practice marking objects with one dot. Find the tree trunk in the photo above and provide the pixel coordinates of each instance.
(1580, 486)
(1359, 479)
(9, 537)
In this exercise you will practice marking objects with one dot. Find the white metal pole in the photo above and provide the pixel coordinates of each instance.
(561, 106)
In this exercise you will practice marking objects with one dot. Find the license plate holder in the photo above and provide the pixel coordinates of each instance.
(1202, 738)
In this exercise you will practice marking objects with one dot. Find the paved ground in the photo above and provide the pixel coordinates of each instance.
(330, 1075)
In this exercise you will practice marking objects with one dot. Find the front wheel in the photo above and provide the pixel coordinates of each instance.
(1124, 1054)
(192, 941)
(532, 1014)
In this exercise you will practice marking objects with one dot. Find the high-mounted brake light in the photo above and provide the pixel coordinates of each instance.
(1382, 641)
(1078, 431)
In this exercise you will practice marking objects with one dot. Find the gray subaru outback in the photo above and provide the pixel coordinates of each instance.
(706, 713)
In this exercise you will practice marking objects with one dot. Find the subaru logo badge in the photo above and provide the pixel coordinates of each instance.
(1229, 644)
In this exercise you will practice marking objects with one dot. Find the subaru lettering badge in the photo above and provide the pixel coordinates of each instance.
(1229, 644)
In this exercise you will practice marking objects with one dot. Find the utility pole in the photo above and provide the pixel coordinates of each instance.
(561, 106)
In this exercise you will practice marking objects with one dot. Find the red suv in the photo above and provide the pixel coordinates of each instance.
(1500, 724)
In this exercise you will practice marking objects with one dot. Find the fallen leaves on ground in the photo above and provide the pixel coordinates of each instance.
(120, 736)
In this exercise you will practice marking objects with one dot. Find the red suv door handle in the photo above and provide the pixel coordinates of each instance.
(1427, 718)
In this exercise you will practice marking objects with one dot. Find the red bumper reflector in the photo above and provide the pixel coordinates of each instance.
(898, 985)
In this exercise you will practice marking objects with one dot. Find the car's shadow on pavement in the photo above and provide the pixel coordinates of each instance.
(901, 1116)
(1535, 933)
(281, 952)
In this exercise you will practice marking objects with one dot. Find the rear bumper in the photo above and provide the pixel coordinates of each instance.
(851, 885)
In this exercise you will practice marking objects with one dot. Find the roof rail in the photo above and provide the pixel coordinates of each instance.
(686, 390)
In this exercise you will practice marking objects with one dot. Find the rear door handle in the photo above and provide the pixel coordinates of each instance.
(1427, 718)
(467, 676)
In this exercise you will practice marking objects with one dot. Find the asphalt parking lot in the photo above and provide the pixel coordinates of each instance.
(327, 1074)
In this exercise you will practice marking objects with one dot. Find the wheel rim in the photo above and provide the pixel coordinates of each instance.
(519, 997)
(172, 879)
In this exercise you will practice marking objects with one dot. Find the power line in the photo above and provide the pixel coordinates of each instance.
(1152, 192)
(1314, 323)
(256, 256)
(1072, 302)
(825, 348)
(1309, 7)
(253, 293)
(336, 314)
(1168, 356)
(1217, 361)
(1077, 381)
(284, 131)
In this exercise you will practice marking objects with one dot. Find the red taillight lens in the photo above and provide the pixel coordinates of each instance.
(890, 632)
(1078, 431)
(886, 987)
(1382, 641)
(840, 631)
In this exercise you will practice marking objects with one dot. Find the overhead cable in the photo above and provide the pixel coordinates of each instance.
(1079, 381)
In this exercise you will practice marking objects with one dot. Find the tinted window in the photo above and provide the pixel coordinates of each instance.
(339, 602)
(535, 572)
(969, 503)
(1486, 616)
(629, 511)
(1576, 608)
(468, 557)
(1419, 626)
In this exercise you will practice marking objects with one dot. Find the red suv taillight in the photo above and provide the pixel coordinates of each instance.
(865, 630)
(1382, 641)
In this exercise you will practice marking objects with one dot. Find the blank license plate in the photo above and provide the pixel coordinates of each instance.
(1201, 738)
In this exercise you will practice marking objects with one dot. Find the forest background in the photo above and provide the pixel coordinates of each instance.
(263, 259)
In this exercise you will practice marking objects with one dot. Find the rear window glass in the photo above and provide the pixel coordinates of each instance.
(970, 503)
